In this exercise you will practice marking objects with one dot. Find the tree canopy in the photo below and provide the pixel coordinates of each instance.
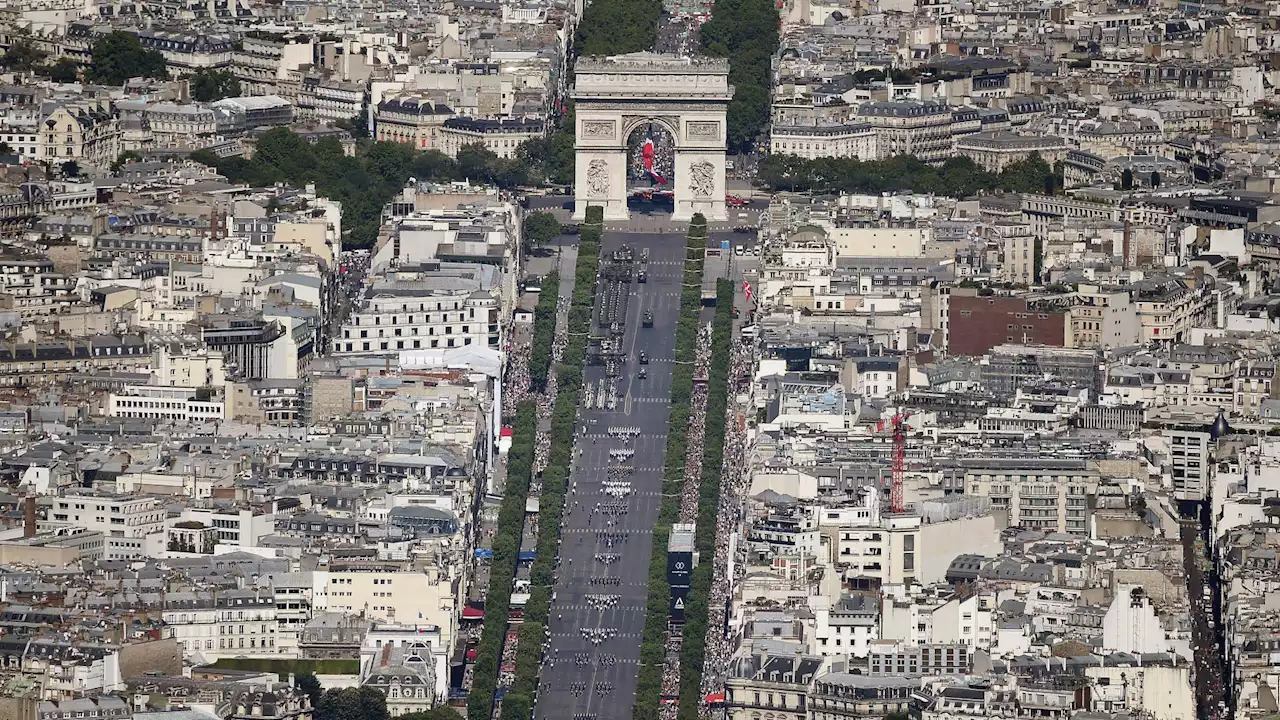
(22, 56)
(307, 683)
(614, 27)
(119, 56)
(209, 85)
(745, 32)
(541, 227)
(364, 703)
(957, 177)
(64, 71)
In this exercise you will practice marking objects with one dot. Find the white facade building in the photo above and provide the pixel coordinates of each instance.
(113, 516)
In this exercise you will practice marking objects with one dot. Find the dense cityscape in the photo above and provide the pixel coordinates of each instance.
(639, 359)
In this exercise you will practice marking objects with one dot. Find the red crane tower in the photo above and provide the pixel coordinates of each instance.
(898, 426)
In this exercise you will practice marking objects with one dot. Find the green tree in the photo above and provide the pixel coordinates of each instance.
(747, 114)
(390, 161)
(5, 149)
(357, 125)
(125, 158)
(64, 71)
(364, 703)
(1126, 179)
(550, 159)
(613, 27)
(282, 155)
(480, 164)
(433, 166)
(1155, 179)
(22, 56)
(957, 177)
(308, 684)
(205, 157)
(71, 169)
(209, 85)
(897, 716)
(746, 33)
(118, 56)
(540, 228)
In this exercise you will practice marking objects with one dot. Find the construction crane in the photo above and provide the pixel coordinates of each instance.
(898, 426)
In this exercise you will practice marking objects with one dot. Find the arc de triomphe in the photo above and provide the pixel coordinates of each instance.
(615, 95)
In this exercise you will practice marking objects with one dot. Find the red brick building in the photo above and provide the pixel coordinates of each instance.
(981, 323)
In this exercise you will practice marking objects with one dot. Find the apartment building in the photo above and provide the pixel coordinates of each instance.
(233, 526)
(112, 515)
(1169, 307)
(1189, 458)
(762, 680)
(846, 696)
(386, 592)
(415, 639)
(241, 114)
(1040, 494)
(502, 136)
(1019, 254)
(86, 133)
(847, 140)
(23, 364)
(164, 402)
(927, 660)
(910, 127)
(995, 150)
(146, 247)
(261, 61)
(412, 120)
(846, 627)
(1103, 318)
(229, 623)
(1253, 384)
(452, 306)
(980, 323)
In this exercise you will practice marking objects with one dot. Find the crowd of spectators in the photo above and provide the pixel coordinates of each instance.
(732, 491)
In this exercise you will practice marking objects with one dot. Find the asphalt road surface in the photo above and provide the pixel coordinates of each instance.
(581, 679)
(1209, 673)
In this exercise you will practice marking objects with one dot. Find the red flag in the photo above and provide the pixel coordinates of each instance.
(746, 288)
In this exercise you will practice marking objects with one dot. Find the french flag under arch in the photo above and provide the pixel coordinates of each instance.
(647, 152)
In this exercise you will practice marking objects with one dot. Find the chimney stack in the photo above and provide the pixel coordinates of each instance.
(29, 516)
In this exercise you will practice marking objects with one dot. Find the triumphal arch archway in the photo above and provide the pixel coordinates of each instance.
(639, 112)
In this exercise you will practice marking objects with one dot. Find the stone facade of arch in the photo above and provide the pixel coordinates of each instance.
(615, 95)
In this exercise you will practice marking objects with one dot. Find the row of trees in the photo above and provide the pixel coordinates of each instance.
(518, 703)
(957, 177)
(544, 332)
(502, 567)
(745, 32)
(363, 183)
(653, 646)
(697, 603)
